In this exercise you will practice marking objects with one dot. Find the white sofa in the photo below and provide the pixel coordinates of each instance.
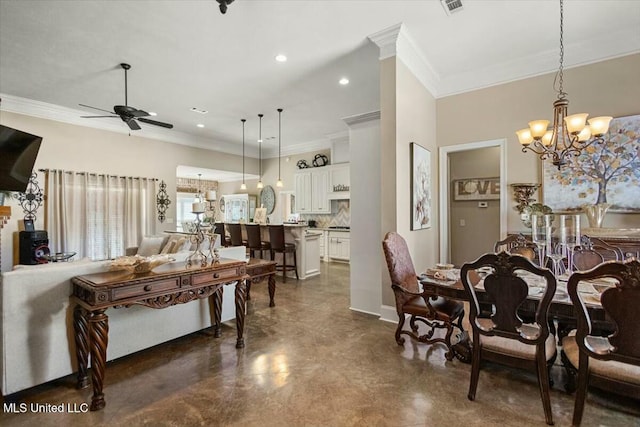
(37, 321)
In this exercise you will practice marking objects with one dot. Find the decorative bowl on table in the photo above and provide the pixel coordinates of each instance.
(138, 264)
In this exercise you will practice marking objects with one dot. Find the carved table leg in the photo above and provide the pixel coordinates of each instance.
(248, 289)
(217, 312)
(240, 311)
(99, 323)
(272, 289)
(81, 328)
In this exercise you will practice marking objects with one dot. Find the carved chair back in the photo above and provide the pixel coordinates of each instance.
(507, 289)
(608, 252)
(586, 259)
(516, 244)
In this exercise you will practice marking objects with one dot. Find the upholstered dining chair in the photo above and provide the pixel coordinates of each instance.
(504, 337)
(516, 244)
(434, 312)
(254, 240)
(608, 252)
(610, 362)
(235, 233)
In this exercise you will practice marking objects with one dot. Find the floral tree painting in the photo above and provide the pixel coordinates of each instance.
(420, 187)
(603, 173)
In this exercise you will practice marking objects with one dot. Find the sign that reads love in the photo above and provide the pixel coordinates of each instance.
(476, 189)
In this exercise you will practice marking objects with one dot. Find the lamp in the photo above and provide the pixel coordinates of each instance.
(243, 186)
(279, 183)
(260, 184)
(569, 134)
(198, 204)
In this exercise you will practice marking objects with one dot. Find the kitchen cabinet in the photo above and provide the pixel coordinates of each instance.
(339, 181)
(339, 245)
(312, 187)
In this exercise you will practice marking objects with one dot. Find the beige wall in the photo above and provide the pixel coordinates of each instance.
(79, 148)
(482, 225)
(605, 88)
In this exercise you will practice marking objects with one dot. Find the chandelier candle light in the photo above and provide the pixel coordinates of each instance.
(198, 207)
(569, 134)
(260, 184)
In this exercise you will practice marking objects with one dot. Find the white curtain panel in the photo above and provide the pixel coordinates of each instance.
(98, 216)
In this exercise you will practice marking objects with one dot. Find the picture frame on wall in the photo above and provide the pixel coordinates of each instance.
(420, 187)
(603, 173)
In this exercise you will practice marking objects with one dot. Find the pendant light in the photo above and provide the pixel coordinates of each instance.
(279, 183)
(260, 185)
(243, 186)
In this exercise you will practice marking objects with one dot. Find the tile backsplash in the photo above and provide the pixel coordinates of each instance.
(340, 215)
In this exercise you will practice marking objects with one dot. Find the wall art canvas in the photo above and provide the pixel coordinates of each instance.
(602, 173)
(420, 187)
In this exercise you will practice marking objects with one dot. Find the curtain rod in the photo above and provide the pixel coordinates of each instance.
(95, 174)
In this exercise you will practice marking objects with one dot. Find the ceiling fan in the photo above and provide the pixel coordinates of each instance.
(127, 114)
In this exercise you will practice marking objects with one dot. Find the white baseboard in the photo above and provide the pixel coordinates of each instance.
(388, 314)
(364, 311)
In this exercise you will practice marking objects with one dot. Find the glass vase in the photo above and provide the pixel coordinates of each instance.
(595, 214)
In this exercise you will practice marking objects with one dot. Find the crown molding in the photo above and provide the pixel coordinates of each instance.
(306, 147)
(396, 41)
(342, 136)
(362, 118)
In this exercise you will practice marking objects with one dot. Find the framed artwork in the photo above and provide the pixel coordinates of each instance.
(476, 189)
(602, 173)
(420, 187)
(260, 216)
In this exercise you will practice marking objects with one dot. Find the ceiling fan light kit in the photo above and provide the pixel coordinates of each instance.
(126, 113)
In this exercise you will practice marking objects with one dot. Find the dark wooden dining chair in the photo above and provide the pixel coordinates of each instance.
(516, 244)
(503, 337)
(586, 259)
(610, 362)
(608, 252)
(434, 312)
(278, 245)
(220, 229)
(235, 234)
(254, 240)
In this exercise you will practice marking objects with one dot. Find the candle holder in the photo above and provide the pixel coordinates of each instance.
(198, 236)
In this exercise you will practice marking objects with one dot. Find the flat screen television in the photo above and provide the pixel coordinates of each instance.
(18, 152)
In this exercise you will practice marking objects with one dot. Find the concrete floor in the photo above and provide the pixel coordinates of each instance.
(310, 361)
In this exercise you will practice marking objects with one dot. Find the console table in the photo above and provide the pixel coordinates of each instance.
(166, 285)
(258, 270)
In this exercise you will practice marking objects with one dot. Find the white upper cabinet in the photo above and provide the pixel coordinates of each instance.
(340, 181)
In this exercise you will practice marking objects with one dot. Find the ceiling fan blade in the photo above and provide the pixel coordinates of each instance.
(97, 117)
(133, 125)
(156, 123)
(96, 108)
(139, 113)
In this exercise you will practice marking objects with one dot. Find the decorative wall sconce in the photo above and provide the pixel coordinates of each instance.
(31, 199)
(522, 193)
(162, 201)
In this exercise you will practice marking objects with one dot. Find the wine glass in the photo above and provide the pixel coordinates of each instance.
(540, 234)
(570, 237)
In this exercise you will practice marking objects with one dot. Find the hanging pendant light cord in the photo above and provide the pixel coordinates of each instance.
(243, 120)
(279, 139)
(260, 145)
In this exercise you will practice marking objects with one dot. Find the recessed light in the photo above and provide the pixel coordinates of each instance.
(281, 58)
(198, 110)
(200, 125)
(151, 113)
(344, 81)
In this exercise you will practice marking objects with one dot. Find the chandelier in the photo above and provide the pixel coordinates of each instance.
(569, 134)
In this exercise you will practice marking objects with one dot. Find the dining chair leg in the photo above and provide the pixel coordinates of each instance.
(581, 393)
(295, 264)
(401, 320)
(543, 383)
(475, 367)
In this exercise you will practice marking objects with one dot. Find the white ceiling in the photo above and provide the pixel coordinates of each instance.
(187, 54)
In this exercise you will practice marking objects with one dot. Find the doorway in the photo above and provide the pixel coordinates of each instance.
(457, 219)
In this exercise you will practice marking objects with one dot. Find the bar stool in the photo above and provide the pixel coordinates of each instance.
(254, 241)
(276, 239)
(219, 229)
(235, 232)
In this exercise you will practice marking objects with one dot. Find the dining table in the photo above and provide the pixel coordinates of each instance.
(447, 283)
